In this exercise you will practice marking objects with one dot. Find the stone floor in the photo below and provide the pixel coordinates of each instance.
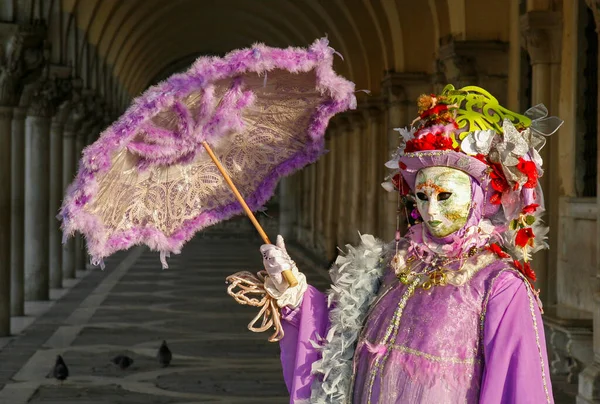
(130, 308)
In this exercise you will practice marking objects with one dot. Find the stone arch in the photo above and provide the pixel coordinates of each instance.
(339, 41)
(371, 41)
(418, 36)
(55, 29)
(391, 13)
(70, 44)
(441, 21)
(469, 19)
(249, 27)
(379, 33)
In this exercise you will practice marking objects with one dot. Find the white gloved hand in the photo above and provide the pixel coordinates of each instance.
(276, 260)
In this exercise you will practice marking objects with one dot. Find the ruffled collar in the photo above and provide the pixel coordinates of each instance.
(426, 247)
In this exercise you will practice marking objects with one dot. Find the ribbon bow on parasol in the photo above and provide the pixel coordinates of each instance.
(167, 167)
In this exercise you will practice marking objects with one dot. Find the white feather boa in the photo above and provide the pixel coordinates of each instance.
(356, 280)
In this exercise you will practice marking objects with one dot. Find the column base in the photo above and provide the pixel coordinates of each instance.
(589, 385)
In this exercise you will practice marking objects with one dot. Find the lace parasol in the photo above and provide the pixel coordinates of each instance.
(150, 179)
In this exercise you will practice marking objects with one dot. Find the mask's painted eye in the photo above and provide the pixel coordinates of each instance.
(442, 196)
(422, 196)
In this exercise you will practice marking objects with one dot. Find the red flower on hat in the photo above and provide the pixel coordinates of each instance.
(498, 183)
(530, 170)
(530, 208)
(496, 249)
(524, 237)
(429, 141)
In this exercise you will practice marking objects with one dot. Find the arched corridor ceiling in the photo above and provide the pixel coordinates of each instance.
(144, 40)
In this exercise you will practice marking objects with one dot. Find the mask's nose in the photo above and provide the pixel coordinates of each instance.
(433, 208)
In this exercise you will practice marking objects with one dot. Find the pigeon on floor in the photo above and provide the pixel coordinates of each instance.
(164, 355)
(123, 361)
(60, 371)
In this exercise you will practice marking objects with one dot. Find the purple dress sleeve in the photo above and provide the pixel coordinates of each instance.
(516, 363)
(300, 327)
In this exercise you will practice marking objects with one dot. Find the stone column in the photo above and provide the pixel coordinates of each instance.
(80, 144)
(355, 186)
(542, 32)
(287, 208)
(314, 192)
(37, 143)
(47, 92)
(323, 193)
(21, 56)
(331, 194)
(400, 91)
(372, 167)
(75, 112)
(68, 173)
(396, 105)
(55, 198)
(17, 251)
(589, 379)
(306, 204)
(56, 175)
(343, 176)
(92, 117)
(295, 183)
(5, 218)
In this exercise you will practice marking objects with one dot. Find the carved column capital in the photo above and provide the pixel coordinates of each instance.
(356, 119)
(402, 88)
(22, 56)
(541, 33)
(76, 116)
(83, 113)
(481, 63)
(49, 94)
(6, 113)
(463, 63)
(454, 65)
(372, 108)
(343, 124)
(72, 87)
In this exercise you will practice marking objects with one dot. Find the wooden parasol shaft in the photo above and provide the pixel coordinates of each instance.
(289, 277)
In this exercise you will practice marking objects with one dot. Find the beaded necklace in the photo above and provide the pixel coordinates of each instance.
(431, 273)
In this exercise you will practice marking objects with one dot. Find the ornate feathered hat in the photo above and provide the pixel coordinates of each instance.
(467, 129)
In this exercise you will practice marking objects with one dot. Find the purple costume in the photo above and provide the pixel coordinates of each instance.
(479, 342)
(477, 339)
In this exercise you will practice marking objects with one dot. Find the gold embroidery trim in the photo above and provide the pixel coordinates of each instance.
(533, 319)
(390, 335)
(434, 358)
(537, 336)
(484, 311)
(427, 153)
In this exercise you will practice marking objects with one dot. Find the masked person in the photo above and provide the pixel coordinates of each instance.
(448, 313)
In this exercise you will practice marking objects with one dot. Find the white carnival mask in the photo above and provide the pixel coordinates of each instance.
(443, 198)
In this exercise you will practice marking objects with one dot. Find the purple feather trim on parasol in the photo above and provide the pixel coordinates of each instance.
(214, 120)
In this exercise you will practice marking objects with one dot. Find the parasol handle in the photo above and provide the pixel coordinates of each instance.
(289, 277)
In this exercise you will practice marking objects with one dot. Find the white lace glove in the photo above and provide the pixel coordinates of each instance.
(276, 260)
